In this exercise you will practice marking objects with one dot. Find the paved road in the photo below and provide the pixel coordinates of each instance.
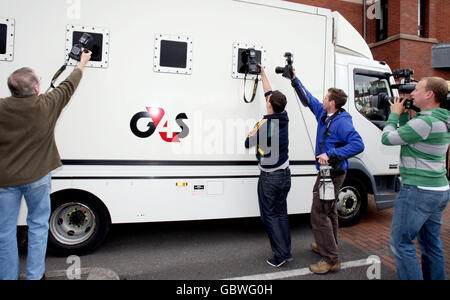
(207, 250)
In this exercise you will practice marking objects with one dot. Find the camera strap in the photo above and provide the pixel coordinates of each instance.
(57, 74)
(255, 87)
(328, 129)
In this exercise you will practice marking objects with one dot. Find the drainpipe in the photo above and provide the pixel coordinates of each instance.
(365, 18)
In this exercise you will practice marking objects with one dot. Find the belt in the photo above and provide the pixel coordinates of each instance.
(277, 171)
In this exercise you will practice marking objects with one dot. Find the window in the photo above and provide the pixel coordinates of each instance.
(368, 101)
(423, 22)
(6, 39)
(99, 45)
(3, 31)
(242, 59)
(239, 60)
(95, 45)
(382, 20)
(173, 54)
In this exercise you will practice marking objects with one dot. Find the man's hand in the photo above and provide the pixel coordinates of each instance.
(293, 74)
(323, 159)
(398, 106)
(263, 71)
(85, 57)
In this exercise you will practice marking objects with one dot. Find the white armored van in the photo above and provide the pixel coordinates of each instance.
(156, 130)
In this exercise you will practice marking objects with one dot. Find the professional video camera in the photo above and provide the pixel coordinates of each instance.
(82, 44)
(381, 101)
(287, 70)
(250, 64)
(407, 87)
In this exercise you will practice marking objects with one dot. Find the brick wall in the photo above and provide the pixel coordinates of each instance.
(411, 52)
(353, 12)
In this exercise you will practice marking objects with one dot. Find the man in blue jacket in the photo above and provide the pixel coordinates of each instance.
(336, 141)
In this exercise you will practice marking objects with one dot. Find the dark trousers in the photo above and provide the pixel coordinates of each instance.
(273, 189)
(324, 221)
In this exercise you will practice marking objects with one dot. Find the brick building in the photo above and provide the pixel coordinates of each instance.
(404, 33)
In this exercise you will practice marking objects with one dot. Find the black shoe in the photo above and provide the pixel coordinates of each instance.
(276, 262)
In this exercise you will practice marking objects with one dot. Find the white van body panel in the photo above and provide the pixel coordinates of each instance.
(208, 174)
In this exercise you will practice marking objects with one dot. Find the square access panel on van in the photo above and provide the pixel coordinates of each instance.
(238, 59)
(173, 54)
(99, 45)
(7, 39)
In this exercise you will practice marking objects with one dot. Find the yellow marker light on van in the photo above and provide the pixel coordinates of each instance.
(182, 184)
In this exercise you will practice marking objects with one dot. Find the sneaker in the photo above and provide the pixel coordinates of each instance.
(322, 267)
(315, 248)
(276, 262)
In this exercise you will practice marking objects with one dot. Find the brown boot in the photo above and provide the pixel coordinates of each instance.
(315, 248)
(322, 267)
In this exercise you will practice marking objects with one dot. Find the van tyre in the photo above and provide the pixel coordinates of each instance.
(352, 201)
(79, 222)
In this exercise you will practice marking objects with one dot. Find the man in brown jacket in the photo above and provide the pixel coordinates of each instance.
(28, 154)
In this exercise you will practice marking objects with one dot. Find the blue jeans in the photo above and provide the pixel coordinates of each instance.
(37, 197)
(273, 189)
(418, 213)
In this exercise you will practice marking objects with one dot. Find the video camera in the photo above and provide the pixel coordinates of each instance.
(76, 51)
(382, 100)
(407, 87)
(287, 70)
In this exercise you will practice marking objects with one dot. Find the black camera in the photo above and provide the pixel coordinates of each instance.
(407, 87)
(381, 101)
(250, 62)
(288, 70)
(82, 44)
(404, 73)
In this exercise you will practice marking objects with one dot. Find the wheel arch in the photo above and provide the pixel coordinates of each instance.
(357, 169)
(82, 193)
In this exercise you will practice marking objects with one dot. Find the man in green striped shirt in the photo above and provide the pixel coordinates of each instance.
(424, 141)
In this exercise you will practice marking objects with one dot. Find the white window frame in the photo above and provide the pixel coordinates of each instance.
(10, 36)
(175, 38)
(69, 42)
(236, 46)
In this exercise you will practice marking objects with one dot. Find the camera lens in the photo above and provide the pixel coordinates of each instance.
(279, 70)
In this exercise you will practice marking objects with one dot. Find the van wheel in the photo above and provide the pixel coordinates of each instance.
(79, 223)
(352, 202)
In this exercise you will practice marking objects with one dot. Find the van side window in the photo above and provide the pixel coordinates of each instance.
(366, 87)
(3, 32)
(173, 54)
(99, 45)
(7, 39)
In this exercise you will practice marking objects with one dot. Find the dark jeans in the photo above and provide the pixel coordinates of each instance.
(324, 221)
(273, 189)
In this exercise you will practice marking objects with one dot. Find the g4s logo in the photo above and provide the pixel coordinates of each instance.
(155, 114)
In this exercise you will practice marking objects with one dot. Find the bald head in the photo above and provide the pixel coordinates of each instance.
(22, 82)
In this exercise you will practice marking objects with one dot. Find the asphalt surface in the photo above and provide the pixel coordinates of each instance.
(206, 250)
